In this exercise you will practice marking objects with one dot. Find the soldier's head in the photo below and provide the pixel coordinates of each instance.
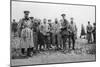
(49, 20)
(63, 16)
(44, 20)
(71, 19)
(88, 22)
(13, 20)
(26, 14)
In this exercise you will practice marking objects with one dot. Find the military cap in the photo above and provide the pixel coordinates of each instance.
(26, 12)
(63, 14)
(49, 19)
(31, 17)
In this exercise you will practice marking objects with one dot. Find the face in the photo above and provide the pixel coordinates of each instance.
(44, 20)
(14, 20)
(88, 22)
(63, 17)
(26, 15)
(56, 20)
(72, 19)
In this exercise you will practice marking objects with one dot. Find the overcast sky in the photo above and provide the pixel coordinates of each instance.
(81, 14)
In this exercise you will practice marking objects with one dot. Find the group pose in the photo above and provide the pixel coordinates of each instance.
(37, 35)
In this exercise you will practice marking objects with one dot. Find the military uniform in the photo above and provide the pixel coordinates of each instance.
(89, 33)
(64, 32)
(94, 32)
(27, 40)
(26, 34)
(73, 36)
(14, 27)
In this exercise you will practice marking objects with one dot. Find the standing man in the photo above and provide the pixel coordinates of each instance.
(35, 34)
(26, 34)
(31, 22)
(56, 34)
(23, 21)
(14, 27)
(64, 30)
(89, 32)
(45, 33)
(73, 32)
(94, 32)
(49, 33)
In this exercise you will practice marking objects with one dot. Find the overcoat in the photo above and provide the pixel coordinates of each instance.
(26, 38)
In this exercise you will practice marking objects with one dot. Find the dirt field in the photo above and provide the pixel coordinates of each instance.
(83, 52)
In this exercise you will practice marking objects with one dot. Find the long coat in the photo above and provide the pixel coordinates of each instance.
(27, 38)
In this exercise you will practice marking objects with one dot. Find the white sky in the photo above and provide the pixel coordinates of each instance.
(81, 14)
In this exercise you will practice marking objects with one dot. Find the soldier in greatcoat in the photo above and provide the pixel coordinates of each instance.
(26, 35)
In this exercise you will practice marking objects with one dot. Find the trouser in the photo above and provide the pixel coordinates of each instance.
(56, 40)
(19, 31)
(23, 50)
(41, 40)
(35, 37)
(64, 42)
(29, 50)
(94, 37)
(47, 41)
(89, 34)
(72, 37)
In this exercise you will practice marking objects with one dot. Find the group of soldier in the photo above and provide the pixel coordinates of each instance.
(36, 35)
(90, 33)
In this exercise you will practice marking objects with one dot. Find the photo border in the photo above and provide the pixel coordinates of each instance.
(47, 3)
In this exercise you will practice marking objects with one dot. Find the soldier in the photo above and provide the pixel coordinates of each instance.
(14, 27)
(24, 21)
(64, 30)
(89, 32)
(26, 34)
(94, 32)
(73, 32)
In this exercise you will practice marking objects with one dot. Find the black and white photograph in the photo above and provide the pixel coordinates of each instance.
(51, 33)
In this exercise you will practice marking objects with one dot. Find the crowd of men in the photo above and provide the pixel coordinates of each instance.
(37, 34)
(90, 33)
